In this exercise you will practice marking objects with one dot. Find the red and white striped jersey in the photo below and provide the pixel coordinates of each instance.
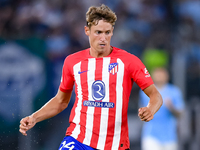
(102, 86)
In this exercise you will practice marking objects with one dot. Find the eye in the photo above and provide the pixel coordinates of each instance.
(107, 32)
(98, 32)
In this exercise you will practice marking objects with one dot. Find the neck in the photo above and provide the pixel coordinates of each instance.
(99, 54)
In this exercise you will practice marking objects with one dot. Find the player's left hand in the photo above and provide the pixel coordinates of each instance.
(168, 103)
(145, 114)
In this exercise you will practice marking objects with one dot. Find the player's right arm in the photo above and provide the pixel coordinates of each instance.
(155, 102)
(50, 109)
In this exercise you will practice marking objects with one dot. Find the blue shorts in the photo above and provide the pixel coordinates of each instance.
(70, 143)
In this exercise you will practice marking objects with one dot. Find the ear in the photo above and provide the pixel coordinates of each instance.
(87, 30)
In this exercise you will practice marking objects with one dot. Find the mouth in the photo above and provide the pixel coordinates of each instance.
(102, 45)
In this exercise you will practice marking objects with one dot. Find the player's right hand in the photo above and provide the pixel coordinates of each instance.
(26, 124)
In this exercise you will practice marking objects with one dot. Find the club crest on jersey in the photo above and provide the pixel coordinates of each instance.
(113, 68)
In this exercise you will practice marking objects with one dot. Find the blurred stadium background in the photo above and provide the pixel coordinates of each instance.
(36, 36)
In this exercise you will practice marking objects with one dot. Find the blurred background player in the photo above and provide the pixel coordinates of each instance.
(161, 132)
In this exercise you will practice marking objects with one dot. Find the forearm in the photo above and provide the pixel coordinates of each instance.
(50, 109)
(53, 107)
(175, 112)
(155, 103)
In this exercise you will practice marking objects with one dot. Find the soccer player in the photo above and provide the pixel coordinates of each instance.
(103, 76)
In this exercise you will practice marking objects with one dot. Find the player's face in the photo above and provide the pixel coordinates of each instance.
(160, 77)
(99, 37)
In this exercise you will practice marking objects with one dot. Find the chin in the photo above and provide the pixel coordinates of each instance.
(101, 50)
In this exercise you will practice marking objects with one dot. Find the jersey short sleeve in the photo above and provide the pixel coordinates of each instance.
(67, 79)
(140, 74)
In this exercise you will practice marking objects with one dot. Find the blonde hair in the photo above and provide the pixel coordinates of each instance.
(94, 14)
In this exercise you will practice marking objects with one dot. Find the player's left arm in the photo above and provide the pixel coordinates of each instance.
(155, 102)
(176, 112)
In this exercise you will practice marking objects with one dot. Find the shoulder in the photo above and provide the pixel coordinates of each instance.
(79, 54)
(76, 57)
(126, 56)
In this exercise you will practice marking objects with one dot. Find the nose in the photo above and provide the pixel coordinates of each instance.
(103, 37)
